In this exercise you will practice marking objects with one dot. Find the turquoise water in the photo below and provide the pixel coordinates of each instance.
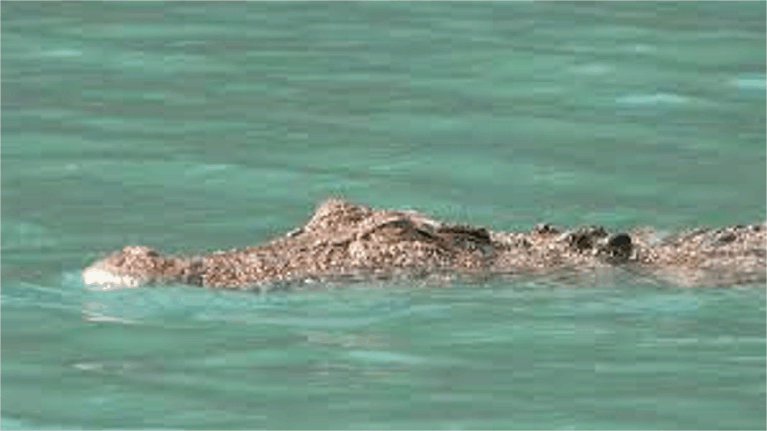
(199, 126)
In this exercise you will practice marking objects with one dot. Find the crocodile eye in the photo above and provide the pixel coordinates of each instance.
(621, 240)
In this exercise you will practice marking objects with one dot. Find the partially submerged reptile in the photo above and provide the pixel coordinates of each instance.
(343, 240)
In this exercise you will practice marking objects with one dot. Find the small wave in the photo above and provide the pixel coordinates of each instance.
(383, 356)
(643, 48)
(21, 234)
(652, 99)
(592, 69)
(750, 83)
(100, 318)
(8, 423)
(208, 170)
(62, 53)
(657, 305)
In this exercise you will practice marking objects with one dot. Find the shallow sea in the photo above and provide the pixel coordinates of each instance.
(199, 126)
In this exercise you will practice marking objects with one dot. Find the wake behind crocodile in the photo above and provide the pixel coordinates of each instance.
(343, 241)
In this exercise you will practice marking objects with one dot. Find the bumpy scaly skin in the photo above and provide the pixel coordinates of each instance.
(347, 241)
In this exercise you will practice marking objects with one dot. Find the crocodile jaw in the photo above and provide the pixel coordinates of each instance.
(97, 276)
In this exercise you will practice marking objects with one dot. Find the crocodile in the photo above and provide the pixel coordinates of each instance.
(346, 241)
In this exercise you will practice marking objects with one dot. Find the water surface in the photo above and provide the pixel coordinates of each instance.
(199, 126)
